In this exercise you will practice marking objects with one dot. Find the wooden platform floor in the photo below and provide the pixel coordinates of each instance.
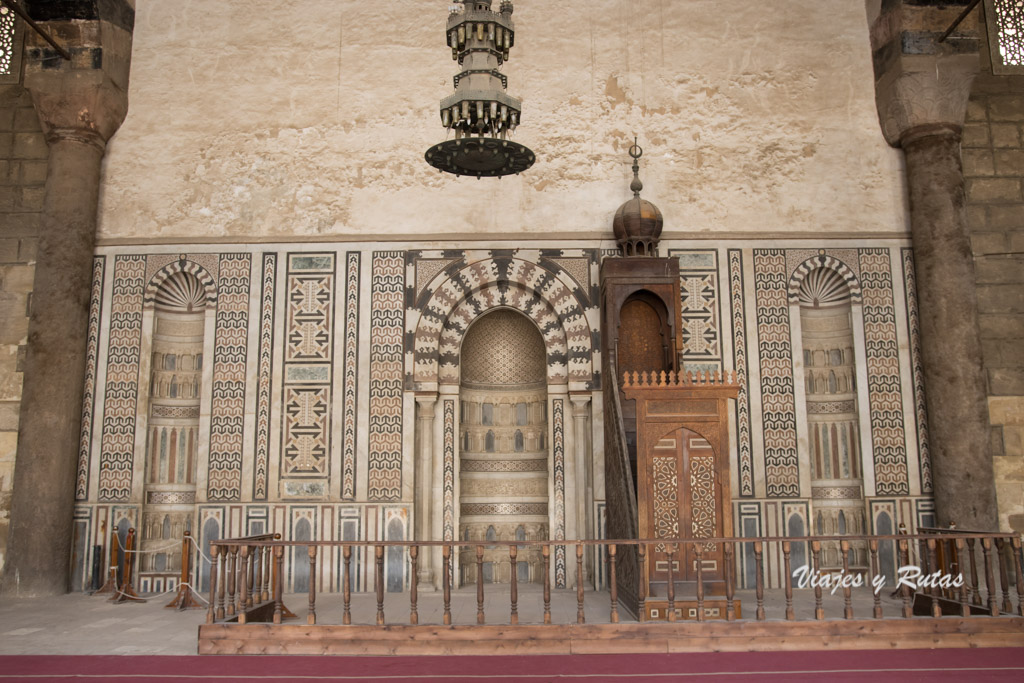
(597, 635)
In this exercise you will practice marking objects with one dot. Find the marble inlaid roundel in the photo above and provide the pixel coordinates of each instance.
(503, 347)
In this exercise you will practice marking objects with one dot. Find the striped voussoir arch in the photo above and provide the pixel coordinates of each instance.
(457, 299)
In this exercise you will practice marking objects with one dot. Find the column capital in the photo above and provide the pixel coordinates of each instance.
(85, 99)
(921, 85)
(426, 402)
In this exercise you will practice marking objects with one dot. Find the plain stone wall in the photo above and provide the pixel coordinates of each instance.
(993, 155)
(308, 119)
(23, 154)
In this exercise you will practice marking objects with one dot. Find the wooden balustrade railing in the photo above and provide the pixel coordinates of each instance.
(248, 574)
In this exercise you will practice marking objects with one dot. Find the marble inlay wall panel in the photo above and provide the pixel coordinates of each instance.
(917, 370)
(387, 323)
(264, 376)
(308, 373)
(92, 359)
(745, 458)
(698, 284)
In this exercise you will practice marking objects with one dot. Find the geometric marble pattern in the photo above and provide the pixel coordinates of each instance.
(778, 402)
(92, 357)
(448, 476)
(917, 370)
(387, 322)
(825, 262)
(884, 392)
(739, 332)
(264, 376)
(117, 451)
(698, 285)
(308, 366)
(227, 408)
(350, 368)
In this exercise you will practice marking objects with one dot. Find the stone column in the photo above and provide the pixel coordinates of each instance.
(79, 107)
(922, 89)
(580, 411)
(424, 486)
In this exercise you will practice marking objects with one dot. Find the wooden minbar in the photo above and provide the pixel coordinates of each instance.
(683, 489)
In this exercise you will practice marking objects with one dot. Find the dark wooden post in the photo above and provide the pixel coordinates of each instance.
(819, 611)
(1019, 574)
(844, 548)
(480, 584)
(211, 611)
(990, 582)
(546, 553)
(730, 575)
(965, 609)
(759, 576)
(311, 616)
(641, 582)
(446, 581)
(414, 556)
(698, 551)
(876, 594)
(379, 583)
(346, 587)
(908, 610)
(278, 578)
(1004, 579)
(934, 592)
(975, 588)
(671, 592)
(514, 584)
(230, 571)
(580, 618)
(612, 585)
(788, 579)
(243, 584)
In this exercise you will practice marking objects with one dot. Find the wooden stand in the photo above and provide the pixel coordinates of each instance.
(110, 586)
(127, 592)
(186, 597)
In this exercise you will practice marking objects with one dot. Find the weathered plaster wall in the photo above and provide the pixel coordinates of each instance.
(309, 119)
(22, 179)
(993, 155)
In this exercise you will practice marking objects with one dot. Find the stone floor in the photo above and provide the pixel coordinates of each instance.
(83, 624)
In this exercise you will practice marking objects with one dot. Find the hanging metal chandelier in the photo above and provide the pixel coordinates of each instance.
(479, 113)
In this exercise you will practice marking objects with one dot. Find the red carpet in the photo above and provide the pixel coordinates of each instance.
(976, 666)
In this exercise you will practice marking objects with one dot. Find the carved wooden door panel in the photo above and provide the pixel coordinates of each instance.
(686, 496)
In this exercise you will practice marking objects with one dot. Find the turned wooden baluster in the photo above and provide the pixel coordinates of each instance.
(698, 551)
(222, 588)
(346, 586)
(844, 548)
(819, 611)
(612, 585)
(965, 609)
(671, 592)
(311, 616)
(730, 570)
(788, 579)
(1015, 543)
(379, 583)
(641, 560)
(232, 574)
(243, 584)
(975, 585)
(211, 610)
(934, 565)
(446, 583)
(580, 618)
(876, 593)
(414, 615)
(480, 584)
(1004, 581)
(908, 610)
(990, 583)
(759, 576)
(278, 577)
(514, 585)
(546, 554)
(255, 560)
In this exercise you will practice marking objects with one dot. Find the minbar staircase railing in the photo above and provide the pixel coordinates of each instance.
(247, 580)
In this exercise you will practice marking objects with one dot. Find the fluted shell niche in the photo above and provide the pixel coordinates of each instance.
(503, 449)
(830, 372)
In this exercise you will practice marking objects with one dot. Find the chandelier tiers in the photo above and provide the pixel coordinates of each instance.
(638, 222)
(480, 113)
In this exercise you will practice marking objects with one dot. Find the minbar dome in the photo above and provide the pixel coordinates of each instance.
(637, 223)
(637, 227)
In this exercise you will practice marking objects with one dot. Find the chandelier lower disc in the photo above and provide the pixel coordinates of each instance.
(480, 157)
